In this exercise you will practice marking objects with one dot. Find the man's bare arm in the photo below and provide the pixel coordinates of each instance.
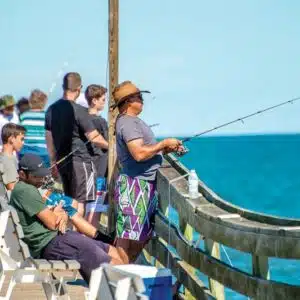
(96, 138)
(10, 186)
(53, 219)
(141, 152)
(50, 146)
(83, 226)
(48, 218)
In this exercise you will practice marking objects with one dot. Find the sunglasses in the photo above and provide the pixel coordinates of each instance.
(137, 98)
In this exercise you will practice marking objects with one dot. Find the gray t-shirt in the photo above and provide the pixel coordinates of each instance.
(130, 128)
(8, 171)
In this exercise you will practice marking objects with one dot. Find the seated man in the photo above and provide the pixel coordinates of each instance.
(40, 224)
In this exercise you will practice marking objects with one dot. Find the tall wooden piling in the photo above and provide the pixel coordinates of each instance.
(113, 33)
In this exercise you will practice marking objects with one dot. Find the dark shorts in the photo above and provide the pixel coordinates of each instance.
(73, 245)
(79, 180)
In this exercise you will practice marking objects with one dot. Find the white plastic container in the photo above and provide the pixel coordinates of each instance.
(158, 282)
(193, 185)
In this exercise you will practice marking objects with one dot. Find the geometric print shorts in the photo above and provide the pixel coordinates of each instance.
(136, 206)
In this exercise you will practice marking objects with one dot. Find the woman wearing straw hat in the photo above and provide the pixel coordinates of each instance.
(140, 156)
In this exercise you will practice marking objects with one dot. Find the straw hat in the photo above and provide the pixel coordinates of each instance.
(125, 91)
(6, 101)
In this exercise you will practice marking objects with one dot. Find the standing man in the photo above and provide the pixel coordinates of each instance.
(69, 128)
(140, 156)
(96, 98)
(95, 95)
(34, 122)
(22, 105)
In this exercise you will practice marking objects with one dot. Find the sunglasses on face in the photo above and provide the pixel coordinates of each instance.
(138, 98)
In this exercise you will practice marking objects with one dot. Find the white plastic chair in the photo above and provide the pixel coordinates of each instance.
(110, 283)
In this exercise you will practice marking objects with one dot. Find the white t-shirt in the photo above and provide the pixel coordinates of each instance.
(82, 101)
(4, 120)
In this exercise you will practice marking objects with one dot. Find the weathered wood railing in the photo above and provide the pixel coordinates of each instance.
(219, 222)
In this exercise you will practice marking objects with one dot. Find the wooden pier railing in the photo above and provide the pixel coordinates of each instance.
(218, 223)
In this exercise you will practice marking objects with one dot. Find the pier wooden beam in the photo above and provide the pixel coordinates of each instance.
(260, 268)
(228, 227)
(113, 33)
(216, 288)
(180, 269)
(221, 222)
(235, 279)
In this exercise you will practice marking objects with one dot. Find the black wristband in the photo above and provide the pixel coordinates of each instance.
(99, 236)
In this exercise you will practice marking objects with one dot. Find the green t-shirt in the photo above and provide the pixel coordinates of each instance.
(28, 202)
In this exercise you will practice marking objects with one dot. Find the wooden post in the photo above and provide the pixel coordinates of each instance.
(216, 288)
(188, 233)
(113, 32)
(260, 268)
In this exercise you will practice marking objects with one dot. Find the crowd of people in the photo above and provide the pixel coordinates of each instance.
(70, 142)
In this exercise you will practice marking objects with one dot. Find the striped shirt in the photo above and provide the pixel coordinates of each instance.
(35, 137)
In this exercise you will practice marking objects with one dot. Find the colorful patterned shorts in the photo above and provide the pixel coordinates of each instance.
(136, 206)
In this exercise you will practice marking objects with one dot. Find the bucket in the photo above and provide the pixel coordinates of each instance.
(158, 282)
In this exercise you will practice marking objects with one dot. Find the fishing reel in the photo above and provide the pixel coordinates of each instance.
(184, 150)
(48, 182)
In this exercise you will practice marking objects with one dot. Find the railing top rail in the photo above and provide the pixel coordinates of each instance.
(225, 223)
(211, 196)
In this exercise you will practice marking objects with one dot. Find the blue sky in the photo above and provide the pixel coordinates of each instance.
(206, 62)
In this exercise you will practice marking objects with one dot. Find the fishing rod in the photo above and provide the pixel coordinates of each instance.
(187, 139)
(73, 151)
(241, 119)
(79, 147)
(154, 125)
(49, 180)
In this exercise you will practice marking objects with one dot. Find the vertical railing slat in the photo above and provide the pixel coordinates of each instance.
(188, 234)
(216, 288)
(260, 268)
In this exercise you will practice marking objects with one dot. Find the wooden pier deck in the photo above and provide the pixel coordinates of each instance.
(35, 291)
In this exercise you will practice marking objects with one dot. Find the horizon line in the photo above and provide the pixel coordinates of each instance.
(232, 134)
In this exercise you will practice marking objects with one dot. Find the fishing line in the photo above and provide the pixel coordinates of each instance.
(187, 139)
(154, 125)
(241, 119)
(79, 147)
(53, 86)
(58, 76)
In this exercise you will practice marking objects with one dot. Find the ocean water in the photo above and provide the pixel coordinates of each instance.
(257, 172)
